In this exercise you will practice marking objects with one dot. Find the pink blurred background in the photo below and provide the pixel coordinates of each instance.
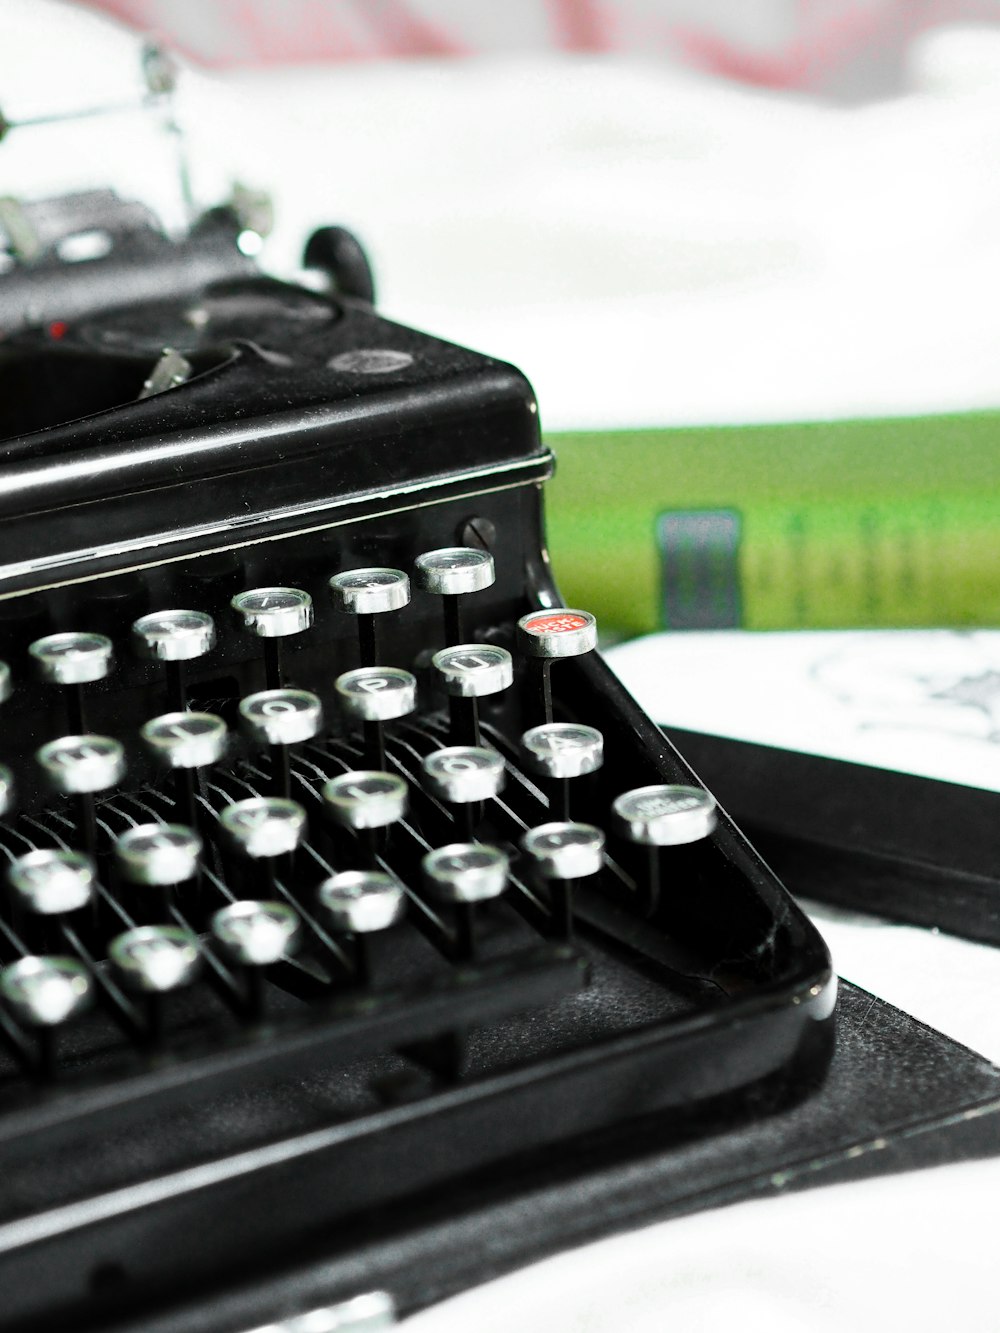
(846, 49)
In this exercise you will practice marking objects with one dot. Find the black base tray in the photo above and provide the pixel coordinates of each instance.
(911, 848)
(897, 1098)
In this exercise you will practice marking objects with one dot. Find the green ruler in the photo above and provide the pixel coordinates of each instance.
(821, 525)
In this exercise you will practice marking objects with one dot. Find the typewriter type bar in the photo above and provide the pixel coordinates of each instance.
(311, 783)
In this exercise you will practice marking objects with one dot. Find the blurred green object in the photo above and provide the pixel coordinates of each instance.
(892, 522)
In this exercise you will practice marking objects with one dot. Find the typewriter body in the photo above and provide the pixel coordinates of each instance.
(339, 872)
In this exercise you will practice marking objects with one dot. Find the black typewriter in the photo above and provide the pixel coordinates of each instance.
(342, 882)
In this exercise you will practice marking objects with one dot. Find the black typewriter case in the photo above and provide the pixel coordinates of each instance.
(315, 436)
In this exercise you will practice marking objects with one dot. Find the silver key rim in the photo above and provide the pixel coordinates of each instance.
(362, 902)
(474, 670)
(185, 740)
(668, 815)
(44, 991)
(274, 613)
(454, 570)
(6, 790)
(156, 959)
(466, 872)
(366, 799)
(370, 591)
(49, 882)
(565, 850)
(158, 854)
(464, 773)
(559, 632)
(6, 683)
(563, 750)
(73, 658)
(255, 933)
(79, 764)
(264, 826)
(281, 717)
(377, 694)
(174, 635)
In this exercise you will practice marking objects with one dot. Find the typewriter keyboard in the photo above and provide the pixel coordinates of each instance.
(360, 862)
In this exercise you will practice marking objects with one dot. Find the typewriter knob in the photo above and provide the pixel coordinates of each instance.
(465, 872)
(664, 816)
(264, 826)
(563, 750)
(185, 740)
(557, 633)
(155, 959)
(281, 717)
(454, 570)
(256, 934)
(174, 636)
(473, 670)
(73, 658)
(366, 799)
(463, 773)
(81, 764)
(362, 901)
(45, 991)
(565, 850)
(377, 694)
(274, 613)
(369, 592)
(48, 882)
(158, 854)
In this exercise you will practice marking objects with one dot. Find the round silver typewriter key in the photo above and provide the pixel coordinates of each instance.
(463, 773)
(454, 570)
(274, 613)
(473, 670)
(362, 901)
(370, 592)
(281, 717)
(48, 882)
(561, 853)
(465, 872)
(174, 636)
(72, 659)
(256, 934)
(376, 694)
(6, 790)
(664, 816)
(158, 854)
(366, 799)
(185, 740)
(155, 959)
(80, 764)
(558, 633)
(565, 850)
(264, 826)
(563, 750)
(6, 683)
(44, 991)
